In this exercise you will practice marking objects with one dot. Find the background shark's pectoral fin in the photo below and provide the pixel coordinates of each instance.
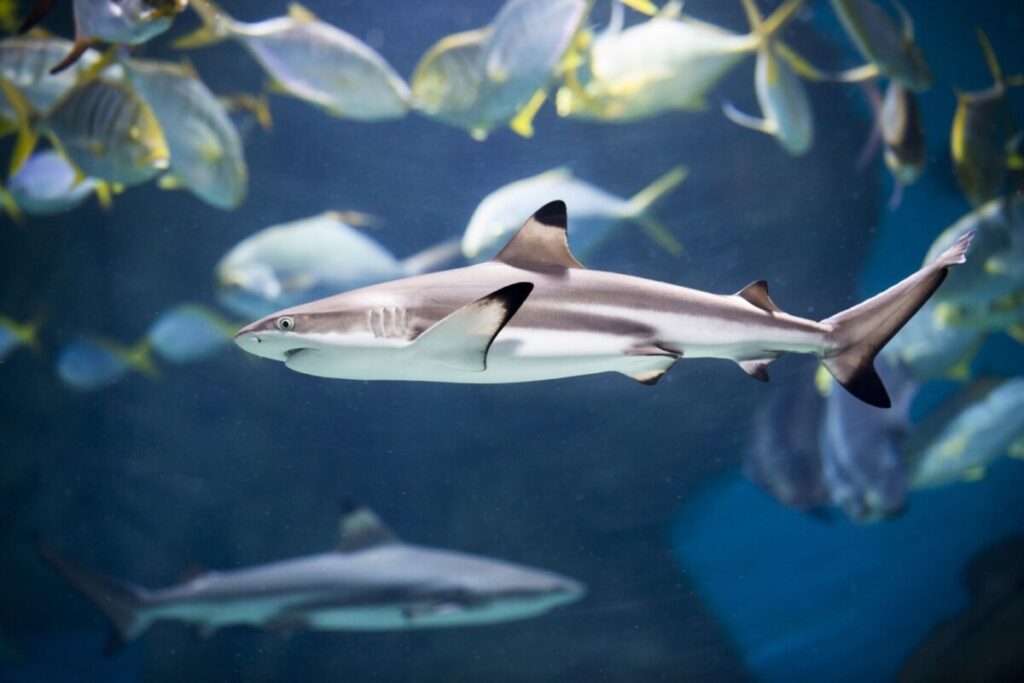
(414, 612)
(461, 340)
(756, 368)
(360, 528)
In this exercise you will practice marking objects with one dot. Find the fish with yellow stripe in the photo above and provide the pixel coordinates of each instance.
(888, 45)
(206, 154)
(311, 60)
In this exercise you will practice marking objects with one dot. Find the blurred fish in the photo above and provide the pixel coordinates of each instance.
(188, 333)
(311, 60)
(121, 22)
(312, 257)
(982, 132)
(889, 47)
(931, 349)
(863, 467)
(48, 184)
(205, 149)
(595, 212)
(905, 151)
(373, 581)
(980, 423)
(557, 319)
(24, 61)
(982, 642)
(499, 74)
(14, 335)
(91, 364)
(101, 127)
(784, 104)
(667, 63)
(985, 295)
(784, 457)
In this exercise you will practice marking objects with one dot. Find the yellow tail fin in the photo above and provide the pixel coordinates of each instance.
(140, 358)
(10, 206)
(217, 26)
(640, 205)
(25, 117)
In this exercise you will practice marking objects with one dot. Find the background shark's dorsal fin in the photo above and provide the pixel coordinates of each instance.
(542, 242)
(757, 294)
(360, 528)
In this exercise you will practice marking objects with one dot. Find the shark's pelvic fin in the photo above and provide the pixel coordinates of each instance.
(757, 294)
(462, 338)
(662, 361)
(757, 368)
(542, 242)
(360, 528)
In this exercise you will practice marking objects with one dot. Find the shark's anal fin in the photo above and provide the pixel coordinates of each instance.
(756, 368)
(542, 242)
(757, 294)
(462, 339)
(360, 528)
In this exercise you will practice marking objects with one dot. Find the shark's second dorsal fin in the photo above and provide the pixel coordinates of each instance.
(757, 294)
(360, 528)
(542, 243)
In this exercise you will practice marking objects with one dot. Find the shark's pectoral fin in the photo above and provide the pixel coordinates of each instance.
(756, 368)
(360, 528)
(461, 340)
(662, 360)
(757, 294)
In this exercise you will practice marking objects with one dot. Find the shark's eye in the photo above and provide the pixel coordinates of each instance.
(285, 324)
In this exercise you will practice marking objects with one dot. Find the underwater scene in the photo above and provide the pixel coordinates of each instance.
(512, 340)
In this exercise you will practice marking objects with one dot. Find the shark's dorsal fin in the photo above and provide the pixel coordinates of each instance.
(359, 528)
(757, 294)
(542, 242)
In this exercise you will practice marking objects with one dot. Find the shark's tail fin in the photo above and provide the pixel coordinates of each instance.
(640, 208)
(122, 603)
(217, 26)
(859, 333)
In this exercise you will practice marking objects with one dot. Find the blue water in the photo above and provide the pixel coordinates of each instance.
(692, 573)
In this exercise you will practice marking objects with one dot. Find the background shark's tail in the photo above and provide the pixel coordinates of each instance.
(859, 333)
(121, 602)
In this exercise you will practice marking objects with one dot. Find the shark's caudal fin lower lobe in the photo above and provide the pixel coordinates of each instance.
(859, 333)
(122, 603)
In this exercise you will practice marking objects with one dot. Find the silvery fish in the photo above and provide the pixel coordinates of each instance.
(24, 63)
(311, 60)
(862, 463)
(91, 364)
(906, 151)
(498, 75)
(14, 335)
(785, 107)
(206, 155)
(372, 581)
(188, 333)
(48, 184)
(980, 423)
(596, 212)
(304, 259)
(980, 296)
(889, 47)
(982, 132)
(534, 313)
(121, 22)
(667, 63)
(784, 456)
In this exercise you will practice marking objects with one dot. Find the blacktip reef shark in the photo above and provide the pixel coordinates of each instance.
(534, 313)
(373, 581)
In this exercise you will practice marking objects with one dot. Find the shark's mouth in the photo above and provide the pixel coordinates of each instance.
(292, 355)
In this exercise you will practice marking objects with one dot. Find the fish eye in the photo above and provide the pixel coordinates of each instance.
(285, 324)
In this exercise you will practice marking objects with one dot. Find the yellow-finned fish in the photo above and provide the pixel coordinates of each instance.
(119, 22)
(499, 74)
(906, 151)
(25, 62)
(93, 363)
(103, 129)
(888, 46)
(982, 130)
(207, 157)
(669, 62)
(14, 334)
(311, 60)
(785, 107)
